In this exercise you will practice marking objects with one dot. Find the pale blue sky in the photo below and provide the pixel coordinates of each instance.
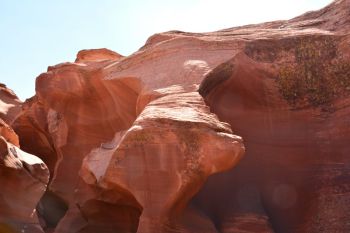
(39, 33)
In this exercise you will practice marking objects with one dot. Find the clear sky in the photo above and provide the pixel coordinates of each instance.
(39, 33)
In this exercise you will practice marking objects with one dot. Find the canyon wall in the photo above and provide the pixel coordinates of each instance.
(240, 130)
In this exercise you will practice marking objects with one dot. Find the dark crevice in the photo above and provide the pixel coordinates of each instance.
(51, 208)
(268, 213)
(109, 217)
(218, 75)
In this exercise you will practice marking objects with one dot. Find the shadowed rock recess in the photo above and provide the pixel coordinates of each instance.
(236, 131)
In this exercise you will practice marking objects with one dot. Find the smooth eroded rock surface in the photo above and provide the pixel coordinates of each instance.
(165, 157)
(23, 180)
(9, 104)
(139, 143)
(93, 55)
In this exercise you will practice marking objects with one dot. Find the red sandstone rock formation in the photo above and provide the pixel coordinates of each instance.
(23, 180)
(9, 104)
(93, 55)
(8, 134)
(23, 177)
(164, 158)
(73, 112)
(76, 110)
(129, 141)
(290, 95)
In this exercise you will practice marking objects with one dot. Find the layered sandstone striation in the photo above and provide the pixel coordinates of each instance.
(73, 112)
(76, 110)
(165, 157)
(139, 143)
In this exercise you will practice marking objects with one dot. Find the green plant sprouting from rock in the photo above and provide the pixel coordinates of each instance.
(318, 75)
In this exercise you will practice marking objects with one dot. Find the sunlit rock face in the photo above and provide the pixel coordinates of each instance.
(93, 55)
(73, 112)
(23, 176)
(164, 158)
(23, 180)
(296, 166)
(160, 134)
(10, 105)
(140, 143)
(288, 97)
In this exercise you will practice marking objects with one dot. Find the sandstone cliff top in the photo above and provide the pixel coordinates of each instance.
(91, 55)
